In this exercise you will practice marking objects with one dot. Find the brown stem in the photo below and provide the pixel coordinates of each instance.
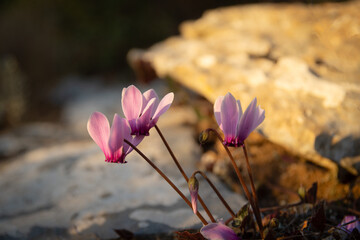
(241, 179)
(216, 191)
(166, 179)
(228, 220)
(251, 179)
(183, 172)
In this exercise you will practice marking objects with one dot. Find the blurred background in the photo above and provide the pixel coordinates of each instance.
(42, 41)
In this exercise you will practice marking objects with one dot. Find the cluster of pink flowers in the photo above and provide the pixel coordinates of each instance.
(142, 111)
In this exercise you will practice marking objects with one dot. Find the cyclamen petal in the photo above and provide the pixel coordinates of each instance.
(260, 116)
(217, 111)
(235, 124)
(116, 138)
(132, 102)
(150, 94)
(229, 117)
(99, 130)
(218, 231)
(127, 135)
(247, 120)
(239, 108)
(164, 105)
(351, 226)
(134, 140)
(194, 197)
(141, 121)
(111, 140)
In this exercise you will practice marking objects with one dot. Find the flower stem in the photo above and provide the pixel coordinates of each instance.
(216, 191)
(166, 179)
(251, 180)
(241, 179)
(183, 172)
(229, 220)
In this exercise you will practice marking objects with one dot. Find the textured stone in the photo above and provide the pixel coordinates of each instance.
(302, 62)
(64, 189)
(31, 136)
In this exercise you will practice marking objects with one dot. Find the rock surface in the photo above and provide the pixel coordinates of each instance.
(64, 189)
(302, 62)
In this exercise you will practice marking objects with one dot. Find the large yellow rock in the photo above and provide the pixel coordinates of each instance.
(301, 61)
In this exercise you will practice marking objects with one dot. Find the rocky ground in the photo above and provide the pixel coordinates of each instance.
(55, 184)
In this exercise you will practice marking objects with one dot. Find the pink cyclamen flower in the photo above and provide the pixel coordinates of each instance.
(235, 124)
(193, 188)
(218, 231)
(351, 226)
(143, 110)
(111, 140)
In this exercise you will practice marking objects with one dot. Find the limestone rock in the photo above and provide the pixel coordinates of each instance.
(66, 190)
(302, 62)
(31, 136)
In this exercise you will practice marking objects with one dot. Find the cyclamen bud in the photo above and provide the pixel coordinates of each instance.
(193, 188)
(302, 192)
(204, 136)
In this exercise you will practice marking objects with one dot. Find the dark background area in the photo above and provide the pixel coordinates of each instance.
(50, 39)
